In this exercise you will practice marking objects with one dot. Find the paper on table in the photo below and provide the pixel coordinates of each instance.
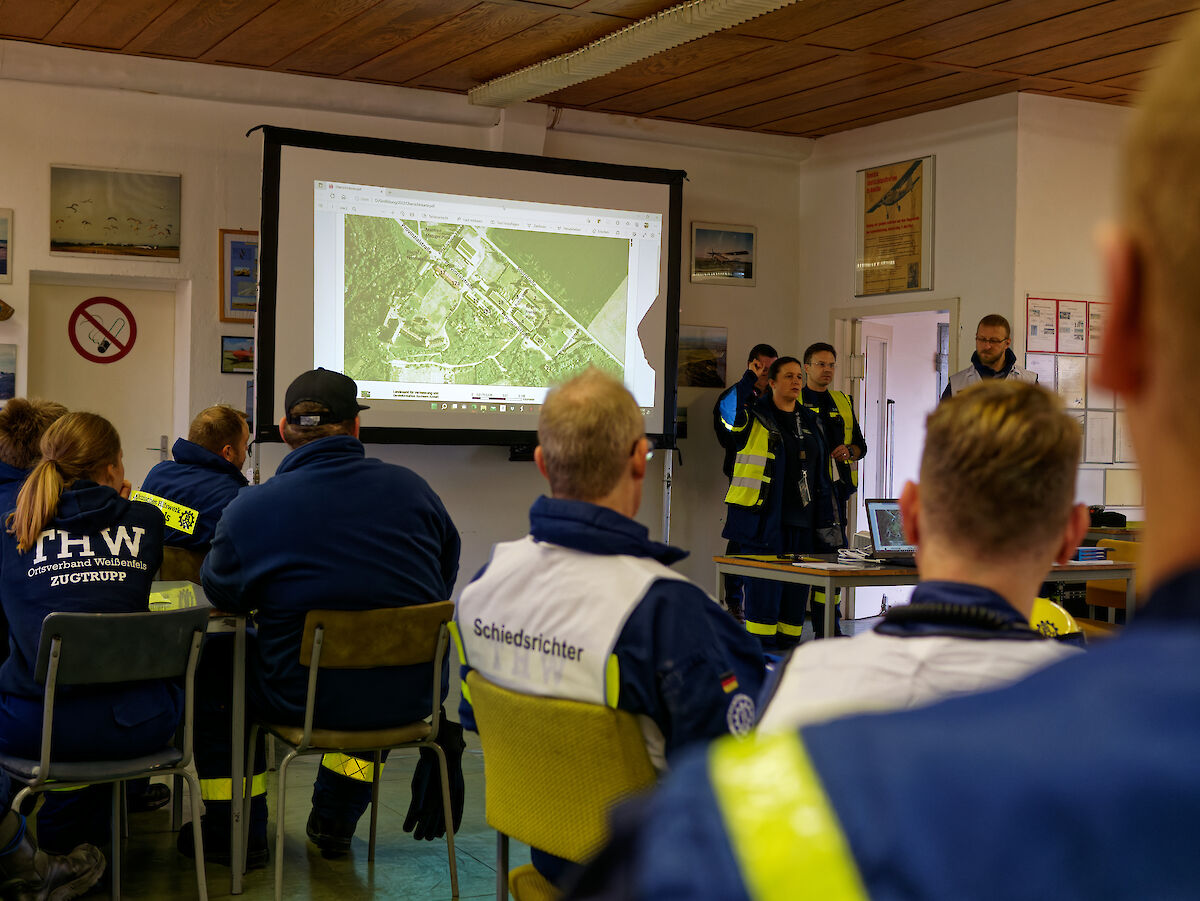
(831, 565)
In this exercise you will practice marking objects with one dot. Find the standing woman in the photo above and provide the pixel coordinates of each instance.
(77, 543)
(780, 498)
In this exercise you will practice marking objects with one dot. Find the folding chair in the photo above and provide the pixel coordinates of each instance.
(105, 648)
(552, 771)
(365, 639)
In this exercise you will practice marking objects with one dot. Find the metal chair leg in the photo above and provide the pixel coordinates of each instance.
(375, 776)
(197, 834)
(501, 867)
(448, 811)
(114, 864)
(279, 823)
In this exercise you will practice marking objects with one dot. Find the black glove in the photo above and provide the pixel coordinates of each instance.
(426, 818)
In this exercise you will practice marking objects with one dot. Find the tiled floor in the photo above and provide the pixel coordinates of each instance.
(403, 869)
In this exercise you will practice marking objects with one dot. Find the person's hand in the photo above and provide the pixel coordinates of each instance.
(757, 367)
(842, 454)
(126, 489)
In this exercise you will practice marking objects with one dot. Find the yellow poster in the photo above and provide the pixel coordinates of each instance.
(893, 240)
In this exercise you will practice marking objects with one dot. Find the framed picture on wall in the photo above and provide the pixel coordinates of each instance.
(8, 371)
(239, 274)
(702, 356)
(237, 354)
(6, 230)
(723, 254)
(894, 218)
(112, 212)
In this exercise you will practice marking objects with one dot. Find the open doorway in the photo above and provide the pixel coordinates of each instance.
(902, 358)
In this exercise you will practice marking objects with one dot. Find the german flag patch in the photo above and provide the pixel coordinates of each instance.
(729, 682)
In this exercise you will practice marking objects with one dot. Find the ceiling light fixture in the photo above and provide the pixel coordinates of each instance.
(644, 38)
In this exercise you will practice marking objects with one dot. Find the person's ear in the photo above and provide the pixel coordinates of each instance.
(1124, 354)
(910, 517)
(638, 463)
(282, 426)
(540, 459)
(227, 453)
(354, 431)
(1073, 535)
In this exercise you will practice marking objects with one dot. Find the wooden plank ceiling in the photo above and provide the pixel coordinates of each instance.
(811, 69)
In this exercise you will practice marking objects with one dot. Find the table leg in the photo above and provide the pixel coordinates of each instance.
(1130, 598)
(237, 769)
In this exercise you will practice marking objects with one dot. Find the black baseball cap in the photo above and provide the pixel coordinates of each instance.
(332, 390)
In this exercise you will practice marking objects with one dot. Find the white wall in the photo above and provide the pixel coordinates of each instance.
(974, 212)
(51, 119)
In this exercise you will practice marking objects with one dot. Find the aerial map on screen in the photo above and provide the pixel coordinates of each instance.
(456, 304)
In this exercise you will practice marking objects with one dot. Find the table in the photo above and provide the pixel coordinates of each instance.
(1126, 533)
(173, 595)
(833, 576)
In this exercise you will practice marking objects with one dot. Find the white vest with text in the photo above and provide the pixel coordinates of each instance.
(544, 619)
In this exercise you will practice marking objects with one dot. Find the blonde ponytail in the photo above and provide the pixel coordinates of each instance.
(78, 445)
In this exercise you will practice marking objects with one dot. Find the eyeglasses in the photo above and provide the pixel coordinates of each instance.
(650, 447)
(990, 341)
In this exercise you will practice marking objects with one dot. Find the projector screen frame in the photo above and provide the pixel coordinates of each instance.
(275, 138)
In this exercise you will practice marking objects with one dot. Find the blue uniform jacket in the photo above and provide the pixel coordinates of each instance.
(973, 798)
(736, 397)
(99, 554)
(762, 526)
(199, 479)
(332, 529)
(11, 480)
(677, 645)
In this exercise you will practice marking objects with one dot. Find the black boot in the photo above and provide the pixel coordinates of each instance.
(27, 874)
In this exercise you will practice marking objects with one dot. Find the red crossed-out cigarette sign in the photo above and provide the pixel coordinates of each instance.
(102, 329)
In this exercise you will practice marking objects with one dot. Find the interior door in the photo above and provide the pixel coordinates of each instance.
(134, 392)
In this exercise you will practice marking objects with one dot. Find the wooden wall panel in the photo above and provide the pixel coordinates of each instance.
(106, 26)
(31, 20)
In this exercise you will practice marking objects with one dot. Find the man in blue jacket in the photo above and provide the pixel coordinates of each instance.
(968, 799)
(332, 528)
(194, 488)
(602, 617)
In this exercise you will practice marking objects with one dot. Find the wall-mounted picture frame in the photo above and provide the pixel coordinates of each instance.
(114, 212)
(894, 218)
(237, 354)
(702, 355)
(6, 246)
(8, 371)
(239, 274)
(723, 254)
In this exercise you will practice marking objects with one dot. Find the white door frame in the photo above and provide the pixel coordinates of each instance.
(841, 321)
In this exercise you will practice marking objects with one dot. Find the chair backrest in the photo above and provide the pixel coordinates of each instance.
(181, 564)
(1125, 551)
(366, 639)
(96, 648)
(1052, 619)
(553, 768)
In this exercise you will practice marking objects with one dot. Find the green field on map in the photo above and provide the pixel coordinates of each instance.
(438, 303)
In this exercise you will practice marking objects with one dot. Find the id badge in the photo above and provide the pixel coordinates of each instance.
(805, 493)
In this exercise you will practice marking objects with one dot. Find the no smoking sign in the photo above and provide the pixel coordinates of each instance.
(102, 329)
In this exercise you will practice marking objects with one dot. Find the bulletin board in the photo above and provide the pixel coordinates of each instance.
(1062, 345)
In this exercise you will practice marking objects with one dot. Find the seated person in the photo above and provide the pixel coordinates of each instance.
(331, 529)
(993, 510)
(194, 488)
(22, 423)
(28, 872)
(73, 518)
(589, 577)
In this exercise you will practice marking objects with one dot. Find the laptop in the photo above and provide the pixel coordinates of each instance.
(887, 535)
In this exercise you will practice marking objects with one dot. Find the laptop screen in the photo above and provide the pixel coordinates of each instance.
(887, 534)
